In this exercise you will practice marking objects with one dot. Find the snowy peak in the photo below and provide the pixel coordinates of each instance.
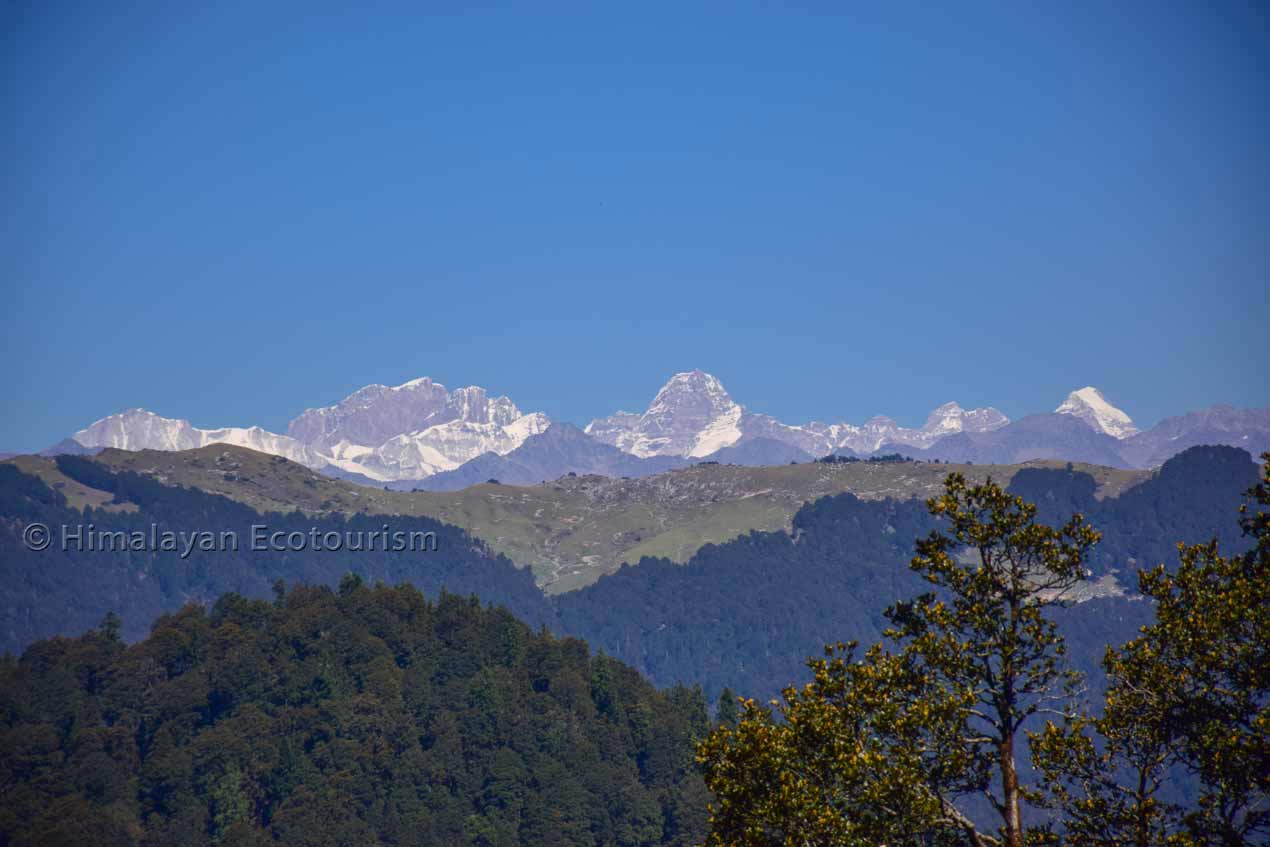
(950, 418)
(373, 415)
(1092, 407)
(472, 404)
(692, 415)
(413, 430)
(692, 389)
(138, 429)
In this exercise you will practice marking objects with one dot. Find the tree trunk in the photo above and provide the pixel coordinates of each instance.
(1010, 793)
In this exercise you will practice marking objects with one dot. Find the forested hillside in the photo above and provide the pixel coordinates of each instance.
(376, 715)
(745, 614)
(363, 716)
(742, 614)
(55, 591)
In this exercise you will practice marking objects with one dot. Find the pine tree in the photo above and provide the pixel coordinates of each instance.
(1192, 691)
(882, 749)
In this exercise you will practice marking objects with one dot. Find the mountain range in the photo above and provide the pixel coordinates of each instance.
(420, 434)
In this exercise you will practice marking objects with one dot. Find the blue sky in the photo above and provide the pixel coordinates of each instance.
(232, 214)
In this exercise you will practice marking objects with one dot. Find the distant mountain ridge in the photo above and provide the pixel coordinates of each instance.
(420, 434)
(693, 415)
(560, 449)
(380, 433)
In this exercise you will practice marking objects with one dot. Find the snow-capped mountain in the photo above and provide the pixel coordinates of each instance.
(383, 433)
(1046, 436)
(442, 447)
(694, 416)
(950, 419)
(1090, 406)
(138, 429)
(372, 415)
(416, 430)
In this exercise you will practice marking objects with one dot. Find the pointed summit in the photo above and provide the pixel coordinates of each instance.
(692, 415)
(695, 387)
(1092, 407)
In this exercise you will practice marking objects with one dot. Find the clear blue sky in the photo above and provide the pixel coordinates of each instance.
(232, 214)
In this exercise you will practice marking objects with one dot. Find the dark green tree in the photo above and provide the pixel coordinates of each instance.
(883, 750)
(1192, 691)
(728, 711)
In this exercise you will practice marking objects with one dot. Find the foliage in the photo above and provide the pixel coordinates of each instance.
(842, 761)
(886, 748)
(363, 716)
(1191, 692)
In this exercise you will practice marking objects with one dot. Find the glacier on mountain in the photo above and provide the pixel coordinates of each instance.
(1092, 407)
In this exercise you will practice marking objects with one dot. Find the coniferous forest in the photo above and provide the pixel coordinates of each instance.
(364, 715)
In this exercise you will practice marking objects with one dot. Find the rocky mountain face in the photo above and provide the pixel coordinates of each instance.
(1246, 428)
(401, 435)
(375, 414)
(372, 415)
(692, 415)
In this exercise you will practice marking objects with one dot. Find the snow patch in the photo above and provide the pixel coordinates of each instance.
(1092, 407)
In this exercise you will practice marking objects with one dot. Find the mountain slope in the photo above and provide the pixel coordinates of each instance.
(745, 613)
(68, 588)
(757, 452)
(574, 529)
(1054, 437)
(1248, 429)
(548, 455)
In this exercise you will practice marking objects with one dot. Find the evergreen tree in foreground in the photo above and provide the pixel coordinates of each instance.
(1192, 693)
(886, 747)
(885, 750)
